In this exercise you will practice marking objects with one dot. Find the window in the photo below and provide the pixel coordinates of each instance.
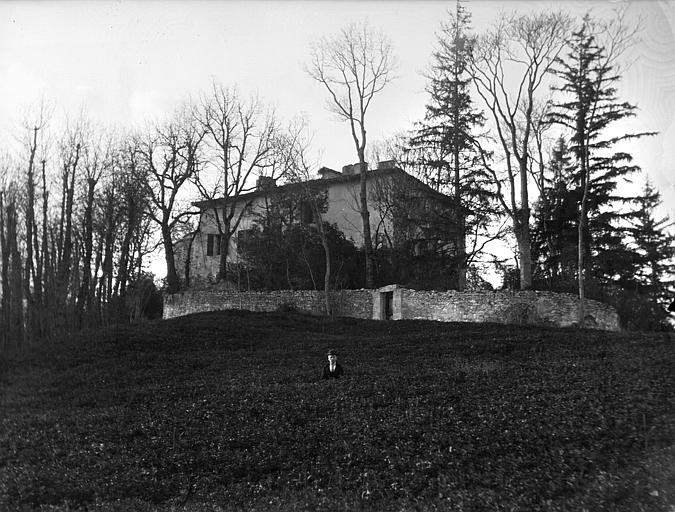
(423, 248)
(209, 245)
(306, 213)
(243, 236)
(213, 244)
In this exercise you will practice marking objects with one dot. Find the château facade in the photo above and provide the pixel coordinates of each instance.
(403, 211)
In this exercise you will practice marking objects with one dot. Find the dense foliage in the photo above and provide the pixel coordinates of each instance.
(588, 108)
(586, 236)
(634, 277)
(226, 411)
(655, 246)
(288, 255)
(73, 231)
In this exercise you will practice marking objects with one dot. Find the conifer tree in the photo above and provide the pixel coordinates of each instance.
(590, 76)
(443, 147)
(554, 234)
(655, 245)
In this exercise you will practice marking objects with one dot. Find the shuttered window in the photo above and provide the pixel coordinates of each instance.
(212, 245)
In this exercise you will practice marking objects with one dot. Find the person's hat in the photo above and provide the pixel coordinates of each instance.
(331, 352)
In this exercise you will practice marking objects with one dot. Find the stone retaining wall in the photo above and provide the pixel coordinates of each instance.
(351, 303)
(529, 307)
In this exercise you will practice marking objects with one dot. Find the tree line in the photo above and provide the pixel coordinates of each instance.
(522, 132)
(534, 102)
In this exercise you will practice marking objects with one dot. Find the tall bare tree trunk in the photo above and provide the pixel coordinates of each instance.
(583, 214)
(355, 65)
(224, 246)
(460, 239)
(84, 298)
(30, 224)
(326, 253)
(64, 270)
(15, 277)
(172, 282)
(365, 214)
(529, 45)
(188, 257)
(4, 275)
(126, 255)
(327, 275)
(581, 265)
(48, 258)
(107, 270)
(524, 243)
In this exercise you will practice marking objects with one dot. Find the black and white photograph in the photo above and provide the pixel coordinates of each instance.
(337, 255)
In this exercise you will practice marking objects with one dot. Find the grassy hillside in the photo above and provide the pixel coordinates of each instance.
(226, 411)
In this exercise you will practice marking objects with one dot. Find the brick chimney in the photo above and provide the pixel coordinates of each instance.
(326, 173)
(349, 170)
(386, 164)
(265, 183)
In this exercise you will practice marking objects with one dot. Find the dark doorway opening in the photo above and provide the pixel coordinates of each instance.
(388, 305)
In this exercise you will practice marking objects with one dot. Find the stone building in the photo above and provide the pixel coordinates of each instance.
(403, 212)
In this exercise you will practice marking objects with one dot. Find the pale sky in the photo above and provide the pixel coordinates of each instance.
(128, 62)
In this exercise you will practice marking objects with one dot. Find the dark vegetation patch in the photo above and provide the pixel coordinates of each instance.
(225, 411)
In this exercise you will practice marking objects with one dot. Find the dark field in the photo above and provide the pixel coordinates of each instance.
(226, 411)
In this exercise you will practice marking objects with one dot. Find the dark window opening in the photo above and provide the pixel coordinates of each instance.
(213, 245)
(209, 245)
(306, 213)
(423, 247)
(243, 236)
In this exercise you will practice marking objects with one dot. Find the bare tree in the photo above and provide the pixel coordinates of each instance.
(393, 147)
(297, 168)
(109, 221)
(71, 147)
(169, 156)
(134, 203)
(7, 213)
(59, 244)
(12, 273)
(239, 145)
(97, 160)
(509, 65)
(33, 265)
(354, 65)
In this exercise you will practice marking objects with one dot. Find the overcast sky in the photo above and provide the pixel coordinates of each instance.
(129, 62)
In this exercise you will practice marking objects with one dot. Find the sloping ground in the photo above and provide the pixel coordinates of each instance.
(226, 411)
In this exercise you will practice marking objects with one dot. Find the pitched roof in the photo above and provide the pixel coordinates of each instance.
(319, 182)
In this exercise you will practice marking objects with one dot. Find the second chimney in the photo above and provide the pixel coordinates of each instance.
(265, 183)
(348, 170)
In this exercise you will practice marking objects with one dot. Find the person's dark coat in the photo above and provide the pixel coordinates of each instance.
(327, 374)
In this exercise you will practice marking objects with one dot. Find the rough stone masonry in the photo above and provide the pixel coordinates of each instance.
(396, 303)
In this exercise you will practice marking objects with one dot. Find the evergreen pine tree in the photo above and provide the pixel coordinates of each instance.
(443, 149)
(590, 78)
(554, 234)
(655, 245)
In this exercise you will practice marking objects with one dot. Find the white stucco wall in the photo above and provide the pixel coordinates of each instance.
(343, 209)
(343, 199)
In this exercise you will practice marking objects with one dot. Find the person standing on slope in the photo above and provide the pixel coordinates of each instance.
(332, 370)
